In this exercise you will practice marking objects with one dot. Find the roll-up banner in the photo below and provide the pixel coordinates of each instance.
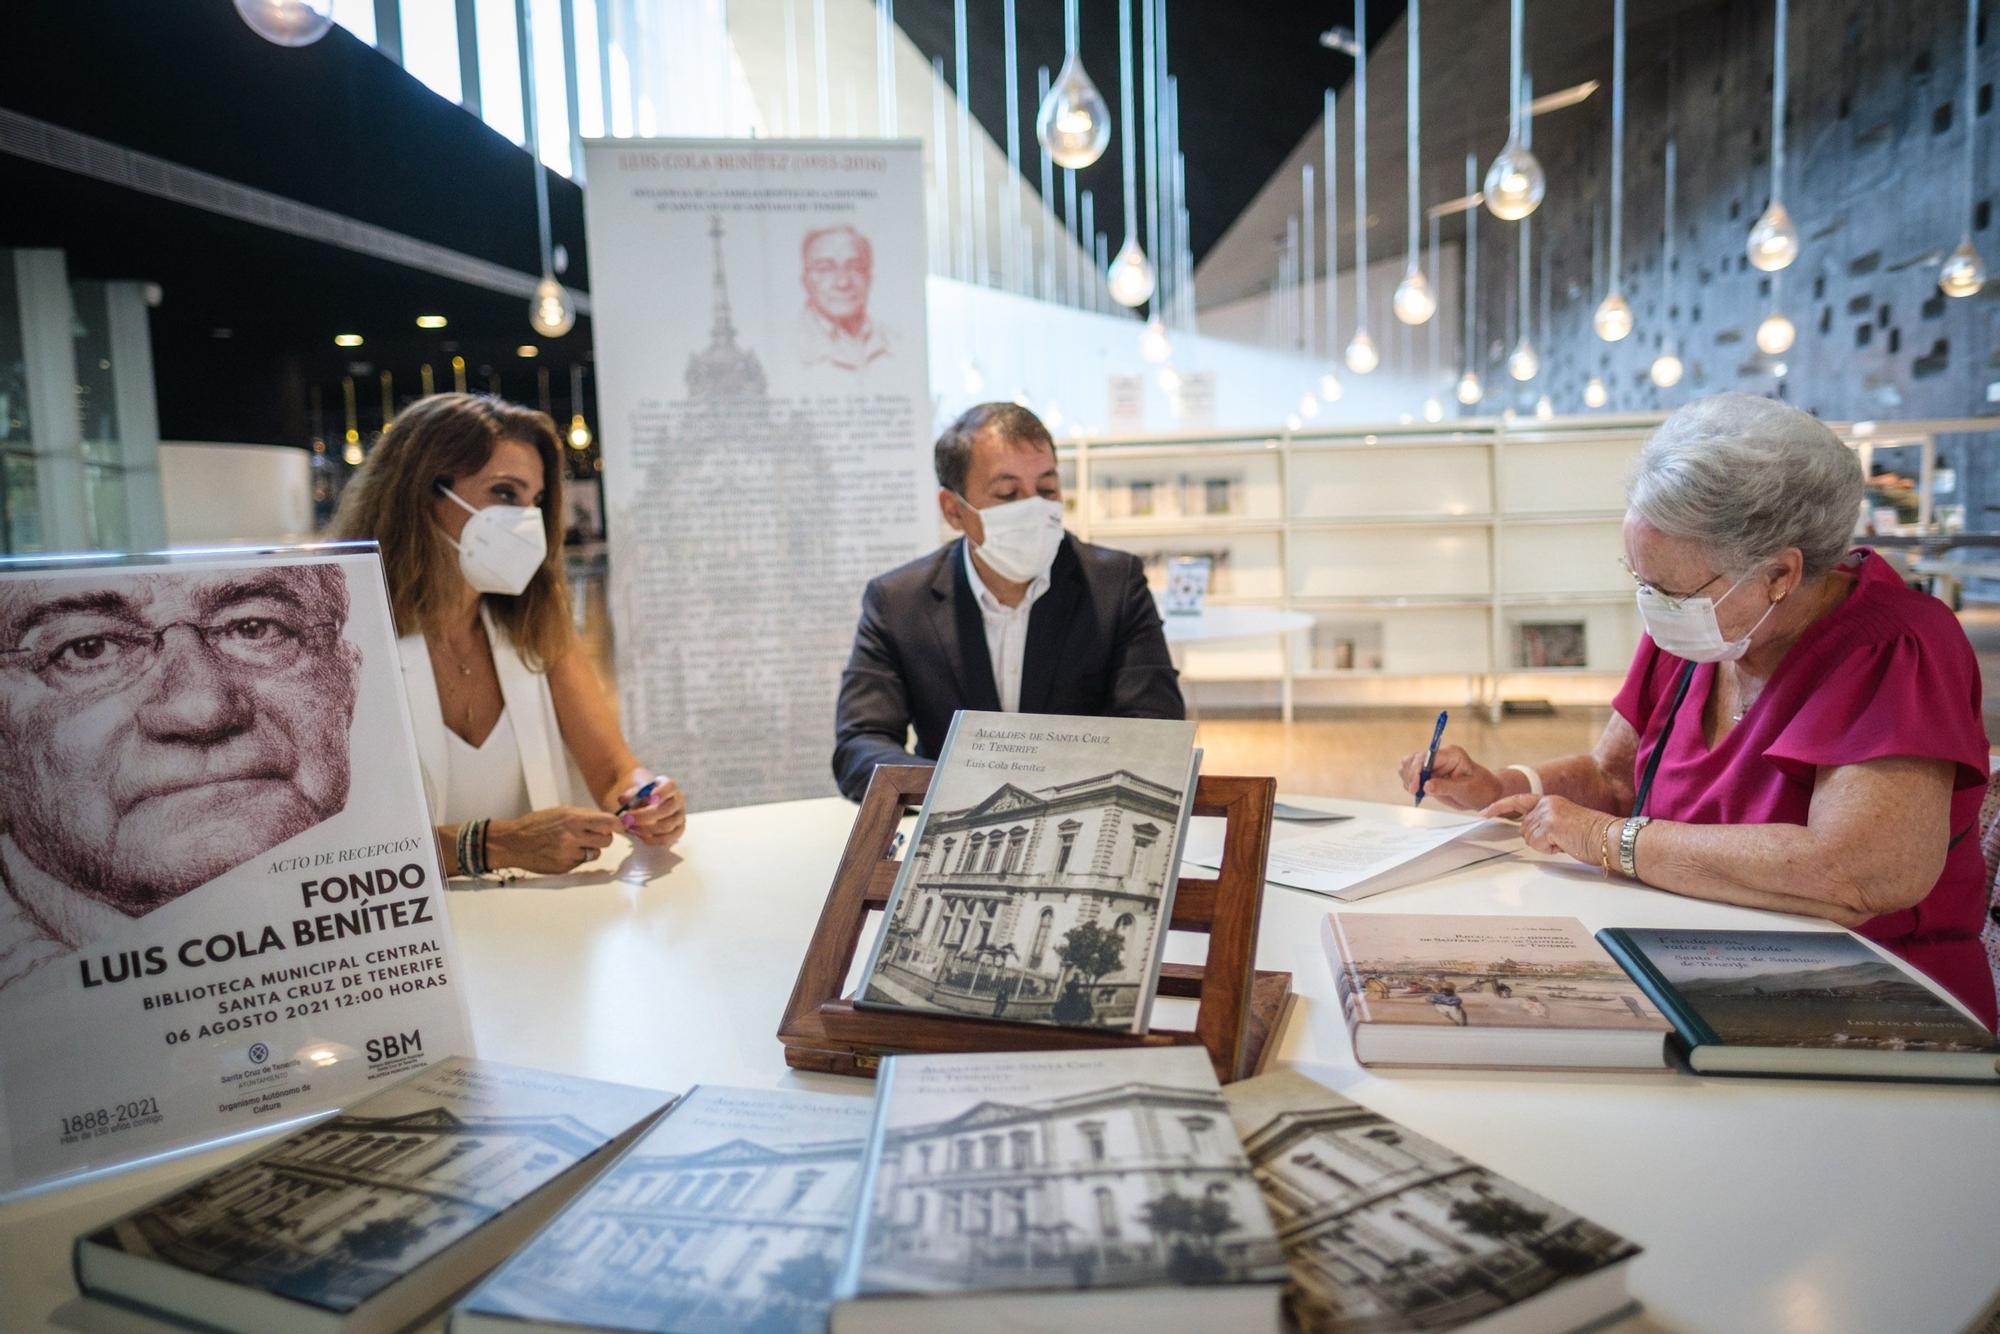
(765, 412)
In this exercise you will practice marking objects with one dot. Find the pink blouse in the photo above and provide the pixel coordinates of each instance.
(1887, 672)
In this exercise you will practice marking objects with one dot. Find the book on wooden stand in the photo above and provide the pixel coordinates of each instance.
(1241, 1009)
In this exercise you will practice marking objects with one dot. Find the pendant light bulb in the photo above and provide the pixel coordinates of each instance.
(1308, 406)
(1292, 422)
(1169, 380)
(1545, 409)
(1776, 334)
(1414, 301)
(579, 432)
(1022, 401)
(1053, 418)
(1074, 123)
(1667, 369)
(974, 379)
(1330, 388)
(1774, 241)
(1130, 277)
(1514, 183)
(1361, 354)
(1613, 319)
(1964, 272)
(1469, 390)
(1154, 345)
(1433, 410)
(1595, 395)
(551, 311)
(287, 22)
(1523, 363)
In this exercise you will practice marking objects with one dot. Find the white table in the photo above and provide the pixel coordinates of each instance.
(1215, 623)
(1763, 1205)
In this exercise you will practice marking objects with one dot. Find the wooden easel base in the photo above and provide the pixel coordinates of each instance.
(1241, 1013)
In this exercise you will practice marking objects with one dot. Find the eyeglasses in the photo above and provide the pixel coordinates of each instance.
(105, 659)
(1674, 599)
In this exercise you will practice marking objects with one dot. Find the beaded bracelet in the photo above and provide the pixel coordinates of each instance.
(470, 846)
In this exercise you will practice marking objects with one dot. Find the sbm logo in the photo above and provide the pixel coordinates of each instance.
(392, 1045)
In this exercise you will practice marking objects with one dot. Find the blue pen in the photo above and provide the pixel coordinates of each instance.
(1437, 735)
(639, 798)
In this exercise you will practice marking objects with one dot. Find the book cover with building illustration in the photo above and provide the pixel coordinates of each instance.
(1461, 989)
(1385, 1230)
(1012, 1173)
(375, 1215)
(731, 1213)
(1041, 873)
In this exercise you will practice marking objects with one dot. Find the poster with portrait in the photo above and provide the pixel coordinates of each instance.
(765, 405)
(221, 905)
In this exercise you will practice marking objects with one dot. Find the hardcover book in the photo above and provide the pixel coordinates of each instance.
(1802, 1003)
(221, 905)
(1455, 990)
(1028, 1191)
(372, 1217)
(1041, 873)
(730, 1214)
(1385, 1230)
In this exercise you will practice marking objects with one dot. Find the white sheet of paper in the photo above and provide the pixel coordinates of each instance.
(1342, 858)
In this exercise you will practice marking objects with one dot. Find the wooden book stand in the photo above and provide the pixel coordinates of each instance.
(1242, 1010)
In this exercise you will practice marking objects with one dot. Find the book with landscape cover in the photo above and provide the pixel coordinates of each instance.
(1802, 1003)
(376, 1215)
(1385, 1230)
(1460, 990)
(730, 1214)
(1040, 877)
(1030, 1191)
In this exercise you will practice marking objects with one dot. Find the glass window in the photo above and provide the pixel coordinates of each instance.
(551, 97)
(500, 69)
(357, 16)
(430, 45)
(589, 74)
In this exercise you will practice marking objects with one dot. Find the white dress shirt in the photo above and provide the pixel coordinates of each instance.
(1006, 632)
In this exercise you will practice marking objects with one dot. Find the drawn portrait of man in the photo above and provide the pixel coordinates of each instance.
(158, 728)
(837, 270)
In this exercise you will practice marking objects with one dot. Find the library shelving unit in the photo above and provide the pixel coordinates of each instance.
(1474, 560)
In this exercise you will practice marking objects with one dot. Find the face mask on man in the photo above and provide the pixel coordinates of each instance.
(1022, 537)
(501, 546)
(1688, 629)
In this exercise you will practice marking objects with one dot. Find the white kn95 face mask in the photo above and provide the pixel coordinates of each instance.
(501, 546)
(1022, 537)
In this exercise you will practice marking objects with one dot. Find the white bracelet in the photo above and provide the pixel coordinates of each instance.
(1533, 776)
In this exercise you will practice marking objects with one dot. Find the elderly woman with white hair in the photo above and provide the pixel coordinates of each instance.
(1799, 731)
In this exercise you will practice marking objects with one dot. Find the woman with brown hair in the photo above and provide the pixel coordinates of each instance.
(523, 761)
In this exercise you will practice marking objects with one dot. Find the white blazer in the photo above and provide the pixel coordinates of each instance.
(546, 764)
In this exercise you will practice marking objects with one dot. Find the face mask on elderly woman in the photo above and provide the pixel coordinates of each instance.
(1688, 629)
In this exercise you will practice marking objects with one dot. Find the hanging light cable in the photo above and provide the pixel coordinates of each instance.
(1469, 390)
(1433, 406)
(1515, 183)
(1330, 387)
(1523, 363)
(551, 310)
(1073, 122)
(1613, 319)
(1415, 301)
(1774, 240)
(1667, 368)
(1131, 277)
(1361, 354)
(1964, 272)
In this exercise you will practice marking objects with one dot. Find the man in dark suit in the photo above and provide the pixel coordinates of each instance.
(1016, 616)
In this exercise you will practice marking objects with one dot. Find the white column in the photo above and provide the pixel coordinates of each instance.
(138, 415)
(55, 432)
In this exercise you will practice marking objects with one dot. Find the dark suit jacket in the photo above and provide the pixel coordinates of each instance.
(1095, 647)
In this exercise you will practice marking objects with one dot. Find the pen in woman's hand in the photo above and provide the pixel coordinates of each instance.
(1437, 735)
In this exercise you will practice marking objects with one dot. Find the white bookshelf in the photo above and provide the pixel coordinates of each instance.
(1476, 560)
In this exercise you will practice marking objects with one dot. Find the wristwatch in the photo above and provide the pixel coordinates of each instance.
(1628, 845)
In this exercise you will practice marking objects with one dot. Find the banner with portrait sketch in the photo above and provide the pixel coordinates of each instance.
(221, 905)
(765, 405)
